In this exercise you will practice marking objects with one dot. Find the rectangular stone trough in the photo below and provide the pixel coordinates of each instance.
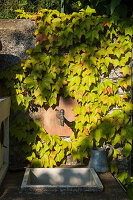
(41, 180)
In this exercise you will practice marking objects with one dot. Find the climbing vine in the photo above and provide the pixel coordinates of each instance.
(73, 57)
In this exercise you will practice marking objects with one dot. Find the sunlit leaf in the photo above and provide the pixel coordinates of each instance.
(127, 149)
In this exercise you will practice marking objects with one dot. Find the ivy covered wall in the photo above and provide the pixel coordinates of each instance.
(83, 57)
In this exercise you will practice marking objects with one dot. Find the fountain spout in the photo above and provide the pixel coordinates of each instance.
(60, 115)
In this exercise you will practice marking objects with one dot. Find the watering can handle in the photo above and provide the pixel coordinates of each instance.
(108, 146)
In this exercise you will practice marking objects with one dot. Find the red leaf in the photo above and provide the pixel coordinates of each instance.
(109, 91)
(33, 18)
(105, 24)
(88, 110)
(41, 37)
(53, 37)
(104, 91)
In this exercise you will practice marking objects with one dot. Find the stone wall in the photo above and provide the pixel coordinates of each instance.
(16, 36)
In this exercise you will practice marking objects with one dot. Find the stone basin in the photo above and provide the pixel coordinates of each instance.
(41, 180)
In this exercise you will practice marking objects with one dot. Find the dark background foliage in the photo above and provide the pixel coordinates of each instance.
(121, 8)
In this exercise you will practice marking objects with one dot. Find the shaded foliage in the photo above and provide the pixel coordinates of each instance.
(119, 8)
(7, 7)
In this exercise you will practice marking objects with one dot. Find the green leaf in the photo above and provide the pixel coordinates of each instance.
(122, 10)
(129, 31)
(129, 135)
(100, 88)
(115, 153)
(98, 134)
(46, 59)
(45, 147)
(111, 101)
(107, 61)
(31, 157)
(46, 83)
(19, 99)
(85, 80)
(128, 107)
(60, 156)
(64, 144)
(127, 149)
(83, 110)
(30, 81)
(57, 148)
(110, 50)
(76, 110)
(74, 146)
(45, 160)
(116, 62)
(40, 100)
(116, 140)
(84, 142)
(108, 82)
(114, 5)
(47, 138)
(37, 49)
(130, 192)
(52, 101)
(113, 168)
(117, 52)
(56, 138)
(36, 163)
(122, 177)
(128, 56)
(52, 163)
(92, 60)
(42, 152)
(89, 11)
(104, 109)
(56, 21)
(101, 52)
(74, 80)
(125, 70)
(76, 69)
(104, 99)
(38, 146)
(20, 77)
(81, 118)
(104, 68)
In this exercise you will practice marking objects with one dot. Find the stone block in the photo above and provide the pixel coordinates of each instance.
(16, 36)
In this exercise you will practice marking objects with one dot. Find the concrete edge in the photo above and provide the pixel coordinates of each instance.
(60, 188)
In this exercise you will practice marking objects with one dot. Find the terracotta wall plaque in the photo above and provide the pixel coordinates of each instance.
(51, 123)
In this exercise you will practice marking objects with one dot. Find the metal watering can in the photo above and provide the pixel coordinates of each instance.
(98, 160)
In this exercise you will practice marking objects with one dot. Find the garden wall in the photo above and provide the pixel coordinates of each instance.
(82, 65)
(16, 36)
